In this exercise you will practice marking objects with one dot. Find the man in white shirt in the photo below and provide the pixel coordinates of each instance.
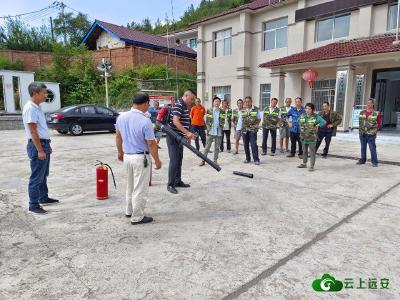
(38, 148)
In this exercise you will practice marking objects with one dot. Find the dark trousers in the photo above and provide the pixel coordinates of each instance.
(201, 133)
(37, 188)
(227, 133)
(250, 139)
(266, 131)
(327, 135)
(175, 151)
(370, 140)
(295, 137)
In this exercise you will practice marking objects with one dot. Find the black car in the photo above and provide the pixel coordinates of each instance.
(83, 117)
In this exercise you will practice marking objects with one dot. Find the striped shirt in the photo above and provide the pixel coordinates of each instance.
(181, 110)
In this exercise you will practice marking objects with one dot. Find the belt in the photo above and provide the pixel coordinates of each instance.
(41, 140)
(137, 153)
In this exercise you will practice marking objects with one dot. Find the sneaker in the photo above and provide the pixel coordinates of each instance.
(290, 155)
(375, 165)
(182, 185)
(246, 161)
(324, 156)
(272, 154)
(202, 163)
(236, 152)
(49, 201)
(302, 166)
(128, 216)
(300, 156)
(257, 163)
(311, 169)
(360, 162)
(38, 210)
(172, 189)
(143, 221)
(264, 153)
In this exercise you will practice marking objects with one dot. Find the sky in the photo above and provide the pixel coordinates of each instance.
(119, 12)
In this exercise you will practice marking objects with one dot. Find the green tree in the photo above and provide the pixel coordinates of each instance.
(16, 35)
(71, 28)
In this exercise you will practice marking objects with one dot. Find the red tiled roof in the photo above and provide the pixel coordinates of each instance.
(252, 6)
(147, 38)
(342, 49)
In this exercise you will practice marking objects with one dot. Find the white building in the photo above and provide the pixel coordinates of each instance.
(14, 92)
(261, 49)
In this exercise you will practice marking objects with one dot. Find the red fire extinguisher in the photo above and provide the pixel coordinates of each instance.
(102, 180)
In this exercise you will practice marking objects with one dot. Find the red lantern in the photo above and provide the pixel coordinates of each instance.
(310, 76)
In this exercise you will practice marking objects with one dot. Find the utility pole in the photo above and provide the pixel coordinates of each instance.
(62, 5)
(52, 29)
(397, 42)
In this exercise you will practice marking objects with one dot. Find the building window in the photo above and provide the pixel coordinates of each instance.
(275, 34)
(223, 43)
(223, 92)
(265, 95)
(392, 18)
(323, 90)
(332, 28)
(193, 43)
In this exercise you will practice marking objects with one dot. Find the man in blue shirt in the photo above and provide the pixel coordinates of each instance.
(38, 148)
(293, 117)
(135, 140)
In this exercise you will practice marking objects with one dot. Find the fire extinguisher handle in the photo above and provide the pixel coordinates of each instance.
(112, 173)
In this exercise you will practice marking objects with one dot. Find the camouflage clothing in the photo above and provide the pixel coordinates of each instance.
(283, 123)
(308, 131)
(250, 120)
(271, 119)
(226, 114)
(210, 119)
(368, 126)
(235, 116)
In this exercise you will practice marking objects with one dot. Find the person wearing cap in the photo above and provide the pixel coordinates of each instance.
(38, 148)
(135, 140)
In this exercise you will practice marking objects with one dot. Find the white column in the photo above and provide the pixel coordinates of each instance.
(278, 86)
(201, 74)
(243, 69)
(345, 94)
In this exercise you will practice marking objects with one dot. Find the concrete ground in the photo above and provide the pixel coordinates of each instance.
(226, 237)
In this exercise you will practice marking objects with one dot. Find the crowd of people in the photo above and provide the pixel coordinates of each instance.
(137, 139)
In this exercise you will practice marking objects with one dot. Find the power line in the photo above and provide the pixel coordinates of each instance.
(54, 4)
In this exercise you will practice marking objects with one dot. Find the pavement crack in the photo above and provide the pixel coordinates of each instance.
(321, 235)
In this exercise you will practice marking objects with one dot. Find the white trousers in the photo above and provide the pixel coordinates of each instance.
(137, 186)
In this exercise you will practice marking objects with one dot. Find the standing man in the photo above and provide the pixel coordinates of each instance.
(294, 116)
(251, 118)
(270, 124)
(135, 140)
(332, 119)
(370, 122)
(197, 114)
(284, 130)
(215, 121)
(238, 123)
(154, 110)
(180, 122)
(38, 148)
(227, 126)
(309, 123)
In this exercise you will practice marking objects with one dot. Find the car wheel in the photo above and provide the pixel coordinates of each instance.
(62, 131)
(76, 129)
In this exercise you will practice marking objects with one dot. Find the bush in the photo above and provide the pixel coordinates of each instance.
(7, 64)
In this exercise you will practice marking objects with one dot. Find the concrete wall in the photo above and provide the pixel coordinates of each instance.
(106, 40)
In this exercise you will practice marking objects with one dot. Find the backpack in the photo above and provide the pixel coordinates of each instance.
(164, 115)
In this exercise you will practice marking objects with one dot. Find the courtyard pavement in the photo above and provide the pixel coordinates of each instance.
(227, 237)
